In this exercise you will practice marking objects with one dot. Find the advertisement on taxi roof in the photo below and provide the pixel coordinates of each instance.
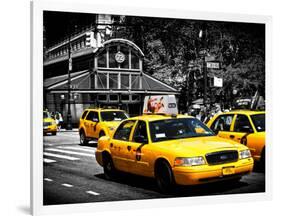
(160, 104)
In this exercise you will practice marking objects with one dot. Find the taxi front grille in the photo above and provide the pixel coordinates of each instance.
(222, 157)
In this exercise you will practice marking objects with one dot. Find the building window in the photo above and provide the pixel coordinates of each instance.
(112, 52)
(125, 51)
(125, 81)
(135, 98)
(125, 97)
(102, 81)
(135, 84)
(102, 98)
(113, 98)
(102, 59)
(134, 61)
(113, 81)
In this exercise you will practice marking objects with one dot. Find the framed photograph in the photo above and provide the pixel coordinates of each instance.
(148, 107)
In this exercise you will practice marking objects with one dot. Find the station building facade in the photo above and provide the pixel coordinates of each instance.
(110, 76)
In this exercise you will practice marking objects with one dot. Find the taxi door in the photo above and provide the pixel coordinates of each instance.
(139, 150)
(90, 123)
(242, 128)
(222, 125)
(119, 145)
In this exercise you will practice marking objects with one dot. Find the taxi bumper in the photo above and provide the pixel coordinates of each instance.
(206, 174)
(50, 128)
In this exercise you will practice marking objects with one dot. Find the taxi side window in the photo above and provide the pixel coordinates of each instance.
(124, 130)
(242, 124)
(140, 134)
(92, 116)
(222, 123)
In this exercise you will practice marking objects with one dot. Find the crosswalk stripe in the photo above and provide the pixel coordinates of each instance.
(46, 160)
(69, 152)
(78, 148)
(47, 179)
(92, 193)
(60, 156)
(67, 185)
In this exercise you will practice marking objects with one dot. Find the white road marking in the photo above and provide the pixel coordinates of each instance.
(69, 152)
(46, 160)
(67, 185)
(60, 156)
(92, 193)
(47, 179)
(78, 148)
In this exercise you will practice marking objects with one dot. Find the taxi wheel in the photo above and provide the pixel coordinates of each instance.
(262, 161)
(108, 167)
(164, 177)
(101, 134)
(83, 140)
(54, 133)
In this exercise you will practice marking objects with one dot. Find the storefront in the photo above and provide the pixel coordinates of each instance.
(116, 80)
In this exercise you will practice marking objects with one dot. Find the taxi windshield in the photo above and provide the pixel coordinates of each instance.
(180, 128)
(259, 122)
(113, 116)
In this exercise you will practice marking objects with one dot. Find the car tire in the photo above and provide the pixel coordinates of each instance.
(101, 134)
(83, 139)
(108, 167)
(164, 177)
(262, 161)
(54, 133)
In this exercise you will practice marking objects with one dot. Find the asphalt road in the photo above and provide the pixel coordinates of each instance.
(72, 175)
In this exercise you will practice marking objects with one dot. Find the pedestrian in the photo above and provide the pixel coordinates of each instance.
(59, 120)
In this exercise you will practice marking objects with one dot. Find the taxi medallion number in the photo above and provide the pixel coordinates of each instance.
(228, 171)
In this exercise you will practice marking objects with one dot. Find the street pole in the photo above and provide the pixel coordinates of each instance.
(205, 81)
(68, 117)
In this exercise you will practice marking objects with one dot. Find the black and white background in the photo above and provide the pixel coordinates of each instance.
(15, 99)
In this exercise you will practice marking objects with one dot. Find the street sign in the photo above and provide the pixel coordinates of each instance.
(218, 82)
(213, 65)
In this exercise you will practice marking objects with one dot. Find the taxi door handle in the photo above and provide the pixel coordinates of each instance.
(129, 148)
(231, 136)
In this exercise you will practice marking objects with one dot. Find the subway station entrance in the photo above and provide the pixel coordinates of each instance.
(116, 80)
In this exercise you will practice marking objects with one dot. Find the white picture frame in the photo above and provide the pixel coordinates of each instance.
(37, 8)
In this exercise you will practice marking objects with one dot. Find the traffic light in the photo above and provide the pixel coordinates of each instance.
(90, 39)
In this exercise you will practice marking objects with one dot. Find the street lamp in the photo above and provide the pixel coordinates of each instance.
(202, 35)
(68, 116)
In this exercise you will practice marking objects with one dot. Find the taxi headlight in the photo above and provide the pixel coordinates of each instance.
(244, 154)
(189, 161)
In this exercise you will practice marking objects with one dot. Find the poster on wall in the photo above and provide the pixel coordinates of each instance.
(117, 114)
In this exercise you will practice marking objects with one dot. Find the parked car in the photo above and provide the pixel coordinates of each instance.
(95, 123)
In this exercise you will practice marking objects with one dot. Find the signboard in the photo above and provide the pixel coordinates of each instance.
(166, 104)
(218, 82)
(213, 65)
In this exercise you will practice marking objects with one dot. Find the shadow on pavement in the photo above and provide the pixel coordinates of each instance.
(225, 187)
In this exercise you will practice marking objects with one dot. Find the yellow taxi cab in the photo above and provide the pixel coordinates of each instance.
(173, 149)
(49, 124)
(243, 126)
(95, 123)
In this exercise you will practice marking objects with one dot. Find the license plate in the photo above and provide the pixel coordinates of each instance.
(228, 171)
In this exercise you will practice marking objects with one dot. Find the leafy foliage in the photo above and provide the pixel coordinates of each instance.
(172, 53)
